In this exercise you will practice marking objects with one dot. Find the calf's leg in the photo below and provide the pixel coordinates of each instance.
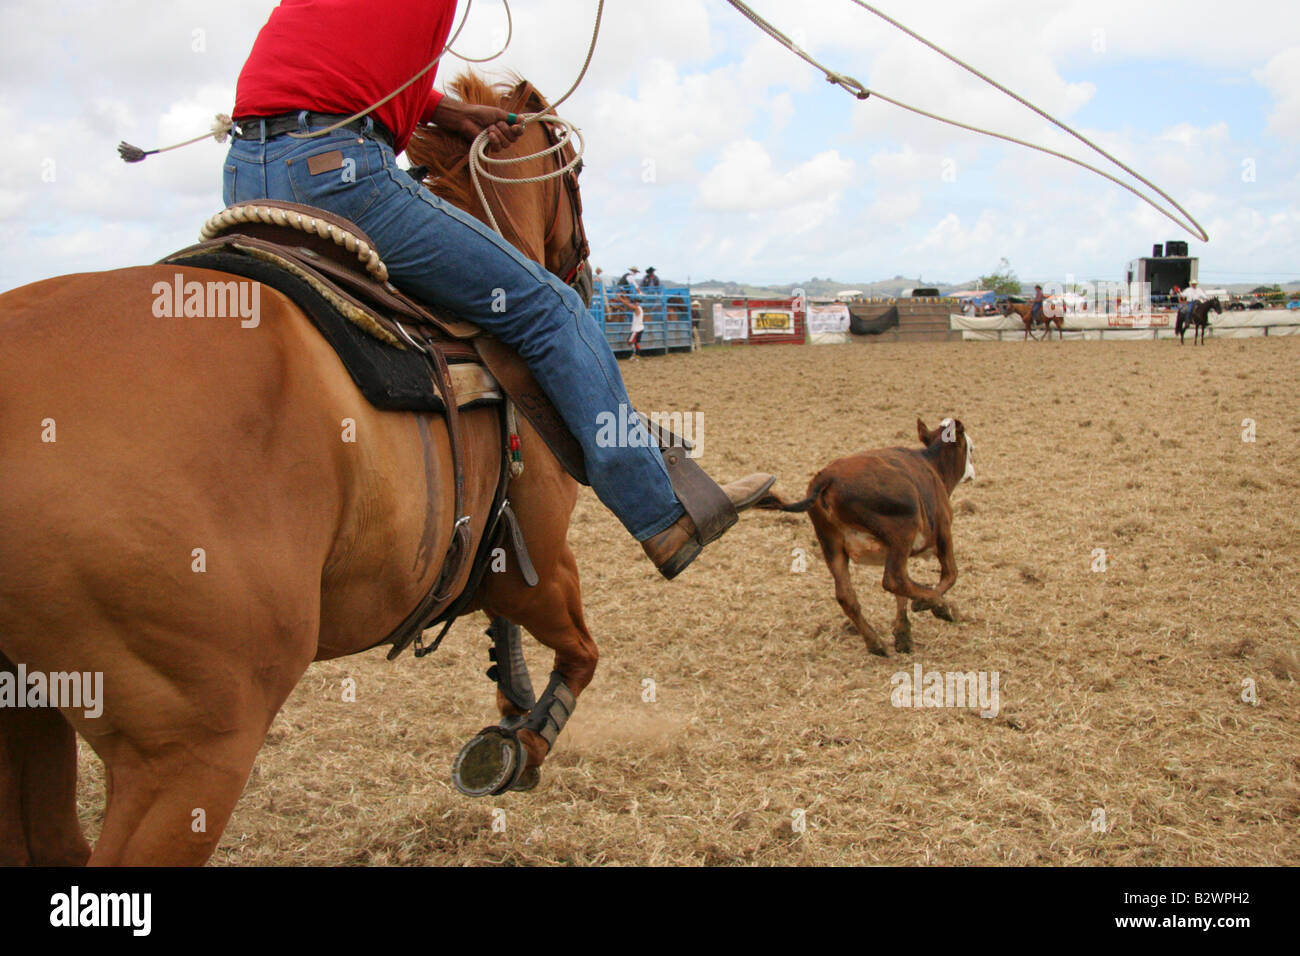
(902, 627)
(947, 578)
(837, 559)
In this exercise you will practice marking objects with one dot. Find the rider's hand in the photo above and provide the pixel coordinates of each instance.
(469, 119)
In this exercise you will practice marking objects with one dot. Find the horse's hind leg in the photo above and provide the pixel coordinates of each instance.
(169, 803)
(38, 788)
(178, 748)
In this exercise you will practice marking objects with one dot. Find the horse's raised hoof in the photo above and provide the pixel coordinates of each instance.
(493, 762)
(528, 780)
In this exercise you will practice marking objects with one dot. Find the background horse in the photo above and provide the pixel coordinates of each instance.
(1049, 315)
(1198, 315)
(183, 512)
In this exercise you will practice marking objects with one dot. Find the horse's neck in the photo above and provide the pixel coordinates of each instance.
(520, 209)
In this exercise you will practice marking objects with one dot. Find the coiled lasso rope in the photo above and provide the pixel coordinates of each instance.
(853, 86)
(566, 132)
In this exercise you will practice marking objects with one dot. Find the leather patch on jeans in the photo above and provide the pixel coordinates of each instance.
(325, 162)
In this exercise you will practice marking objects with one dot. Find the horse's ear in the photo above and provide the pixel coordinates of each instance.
(524, 98)
(922, 432)
(517, 92)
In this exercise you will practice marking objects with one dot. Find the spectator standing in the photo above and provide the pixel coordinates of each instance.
(638, 325)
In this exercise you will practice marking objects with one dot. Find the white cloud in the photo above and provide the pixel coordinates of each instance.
(759, 169)
(745, 180)
(1282, 77)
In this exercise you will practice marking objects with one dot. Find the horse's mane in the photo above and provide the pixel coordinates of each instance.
(441, 150)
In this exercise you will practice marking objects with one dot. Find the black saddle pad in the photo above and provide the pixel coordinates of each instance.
(390, 378)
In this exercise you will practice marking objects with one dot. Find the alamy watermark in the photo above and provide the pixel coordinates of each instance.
(626, 428)
(127, 910)
(75, 689)
(946, 689)
(235, 298)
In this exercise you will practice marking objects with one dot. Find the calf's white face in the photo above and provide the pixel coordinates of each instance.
(969, 474)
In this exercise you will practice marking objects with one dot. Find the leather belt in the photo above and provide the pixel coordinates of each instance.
(250, 127)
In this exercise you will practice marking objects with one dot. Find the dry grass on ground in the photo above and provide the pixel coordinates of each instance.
(1120, 690)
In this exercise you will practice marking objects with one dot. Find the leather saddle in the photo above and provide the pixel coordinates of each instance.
(340, 264)
(401, 354)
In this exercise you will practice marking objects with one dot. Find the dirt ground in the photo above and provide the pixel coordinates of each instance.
(771, 738)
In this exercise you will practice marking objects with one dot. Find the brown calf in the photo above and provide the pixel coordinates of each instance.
(882, 507)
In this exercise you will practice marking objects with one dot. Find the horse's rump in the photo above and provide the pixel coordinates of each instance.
(140, 455)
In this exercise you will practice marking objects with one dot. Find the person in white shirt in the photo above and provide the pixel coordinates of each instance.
(1190, 296)
(638, 324)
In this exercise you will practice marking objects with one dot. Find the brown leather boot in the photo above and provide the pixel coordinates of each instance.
(678, 545)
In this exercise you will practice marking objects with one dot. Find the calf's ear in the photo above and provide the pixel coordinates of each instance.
(922, 432)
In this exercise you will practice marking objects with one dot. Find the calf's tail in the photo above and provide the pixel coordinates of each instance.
(775, 502)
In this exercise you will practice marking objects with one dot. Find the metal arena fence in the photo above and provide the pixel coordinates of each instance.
(667, 318)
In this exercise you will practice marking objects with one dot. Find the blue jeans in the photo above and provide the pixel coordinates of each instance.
(447, 258)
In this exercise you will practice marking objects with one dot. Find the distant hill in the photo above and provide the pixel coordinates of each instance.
(822, 288)
(828, 288)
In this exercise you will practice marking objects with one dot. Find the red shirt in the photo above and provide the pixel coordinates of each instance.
(339, 56)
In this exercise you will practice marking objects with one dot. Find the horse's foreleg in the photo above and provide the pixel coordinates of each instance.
(551, 613)
(515, 695)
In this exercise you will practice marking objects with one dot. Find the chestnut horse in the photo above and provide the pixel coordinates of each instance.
(183, 512)
(1051, 313)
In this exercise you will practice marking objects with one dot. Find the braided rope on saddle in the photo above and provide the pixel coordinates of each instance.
(319, 225)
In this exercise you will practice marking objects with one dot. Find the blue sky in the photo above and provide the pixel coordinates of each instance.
(714, 153)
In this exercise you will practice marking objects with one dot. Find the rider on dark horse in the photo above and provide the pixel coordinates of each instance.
(1036, 309)
(318, 61)
(1191, 296)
